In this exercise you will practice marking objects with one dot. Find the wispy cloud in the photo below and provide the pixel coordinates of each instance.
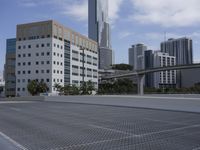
(125, 34)
(167, 13)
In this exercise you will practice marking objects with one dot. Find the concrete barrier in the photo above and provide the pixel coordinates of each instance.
(30, 98)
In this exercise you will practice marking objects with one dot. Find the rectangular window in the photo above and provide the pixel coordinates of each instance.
(48, 44)
(29, 46)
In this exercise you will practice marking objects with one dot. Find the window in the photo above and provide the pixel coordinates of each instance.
(57, 63)
(42, 45)
(24, 64)
(19, 64)
(42, 71)
(61, 55)
(54, 54)
(54, 45)
(19, 55)
(37, 63)
(37, 46)
(23, 80)
(54, 80)
(48, 53)
(29, 63)
(24, 72)
(37, 54)
(61, 47)
(29, 46)
(54, 62)
(29, 72)
(57, 71)
(48, 62)
(37, 71)
(24, 55)
(47, 80)
(42, 54)
(48, 71)
(18, 80)
(48, 36)
(29, 80)
(58, 46)
(42, 62)
(29, 55)
(18, 89)
(61, 63)
(58, 54)
(48, 44)
(19, 72)
(19, 47)
(54, 71)
(23, 89)
(24, 47)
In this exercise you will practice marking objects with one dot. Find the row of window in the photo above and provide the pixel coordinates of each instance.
(37, 46)
(29, 72)
(28, 80)
(36, 63)
(34, 37)
(36, 54)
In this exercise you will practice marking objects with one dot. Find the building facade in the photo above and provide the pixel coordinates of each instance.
(149, 63)
(182, 49)
(9, 68)
(2, 85)
(164, 79)
(137, 56)
(99, 30)
(49, 52)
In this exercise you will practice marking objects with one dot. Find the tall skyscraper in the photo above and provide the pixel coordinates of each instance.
(182, 49)
(99, 30)
(9, 68)
(136, 56)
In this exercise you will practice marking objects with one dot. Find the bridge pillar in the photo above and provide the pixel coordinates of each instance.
(141, 84)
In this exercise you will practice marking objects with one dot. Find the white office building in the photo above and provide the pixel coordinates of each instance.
(164, 79)
(47, 51)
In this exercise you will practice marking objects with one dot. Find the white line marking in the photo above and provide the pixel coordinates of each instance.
(162, 121)
(13, 141)
(14, 102)
(109, 129)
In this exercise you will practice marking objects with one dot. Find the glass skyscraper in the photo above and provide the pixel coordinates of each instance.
(99, 30)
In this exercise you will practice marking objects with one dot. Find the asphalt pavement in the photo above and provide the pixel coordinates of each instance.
(51, 125)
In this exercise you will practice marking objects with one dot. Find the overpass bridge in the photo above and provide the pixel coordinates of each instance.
(141, 74)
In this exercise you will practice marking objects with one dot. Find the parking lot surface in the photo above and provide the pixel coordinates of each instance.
(73, 126)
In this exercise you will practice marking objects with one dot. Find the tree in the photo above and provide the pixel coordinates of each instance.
(33, 87)
(122, 67)
(87, 88)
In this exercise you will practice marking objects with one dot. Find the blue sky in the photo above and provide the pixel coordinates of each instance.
(132, 21)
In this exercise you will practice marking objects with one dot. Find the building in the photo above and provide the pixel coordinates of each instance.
(164, 79)
(49, 52)
(9, 68)
(149, 63)
(182, 49)
(99, 31)
(136, 56)
(190, 77)
(2, 85)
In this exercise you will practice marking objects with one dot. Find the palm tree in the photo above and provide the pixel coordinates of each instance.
(33, 87)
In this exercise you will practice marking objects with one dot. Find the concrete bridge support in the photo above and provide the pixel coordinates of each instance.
(141, 84)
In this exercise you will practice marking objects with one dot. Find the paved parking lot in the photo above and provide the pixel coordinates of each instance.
(70, 126)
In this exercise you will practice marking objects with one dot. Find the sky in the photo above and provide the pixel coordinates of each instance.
(132, 21)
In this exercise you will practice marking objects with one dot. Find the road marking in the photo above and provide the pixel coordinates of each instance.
(14, 102)
(109, 129)
(12, 141)
(162, 121)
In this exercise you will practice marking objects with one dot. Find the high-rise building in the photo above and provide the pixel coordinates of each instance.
(149, 64)
(137, 57)
(2, 85)
(99, 31)
(164, 79)
(49, 52)
(9, 68)
(182, 49)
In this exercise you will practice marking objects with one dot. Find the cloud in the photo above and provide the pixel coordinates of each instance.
(167, 13)
(124, 34)
(27, 3)
(78, 9)
(114, 8)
